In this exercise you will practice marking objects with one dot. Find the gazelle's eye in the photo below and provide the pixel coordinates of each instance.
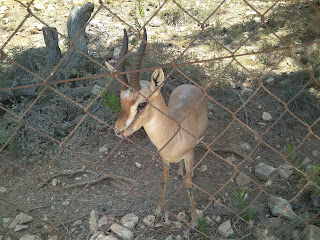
(141, 106)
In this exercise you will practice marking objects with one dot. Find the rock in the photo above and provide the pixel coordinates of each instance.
(245, 146)
(225, 229)
(123, 232)
(242, 180)
(264, 171)
(270, 80)
(170, 237)
(311, 232)
(54, 182)
(138, 165)
(30, 237)
(231, 158)
(266, 116)
(23, 218)
(285, 172)
(218, 219)
(316, 153)
(149, 220)
(5, 222)
(276, 206)
(38, 6)
(93, 225)
(104, 149)
(3, 190)
(203, 168)
(130, 220)
(20, 227)
(103, 221)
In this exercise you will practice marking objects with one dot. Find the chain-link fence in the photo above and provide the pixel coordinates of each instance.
(66, 175)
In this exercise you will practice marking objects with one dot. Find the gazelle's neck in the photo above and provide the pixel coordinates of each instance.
(161, 128)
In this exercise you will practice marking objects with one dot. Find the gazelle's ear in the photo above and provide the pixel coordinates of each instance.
(157, 79)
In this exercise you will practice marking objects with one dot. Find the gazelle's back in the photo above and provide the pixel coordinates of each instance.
(188, 104)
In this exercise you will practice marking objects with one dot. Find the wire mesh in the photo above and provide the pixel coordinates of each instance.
(64, 167)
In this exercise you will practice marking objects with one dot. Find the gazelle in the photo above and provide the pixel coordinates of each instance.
(174, 129)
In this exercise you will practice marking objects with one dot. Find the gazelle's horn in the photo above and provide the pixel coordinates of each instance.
(122, 66)
(135, 77)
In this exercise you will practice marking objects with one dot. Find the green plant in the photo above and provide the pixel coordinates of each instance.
(202, 224)
(293, 158)
(111, 102)
(242, 204)
(140, 8)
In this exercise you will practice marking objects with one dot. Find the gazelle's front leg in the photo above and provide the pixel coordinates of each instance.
(188, 161)
(165, 177)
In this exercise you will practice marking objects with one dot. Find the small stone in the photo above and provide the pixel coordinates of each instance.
(104, 149)
(93, 225)
(66, 203)
(77, 223)
(3, 190)
(231, 158)
(225, 229)
(245, 146)
(276, 206)
(315, 153)
(54, 182)
(96, 91)
(38, 6)
(103, 221)
(138, 165)
(20, 227)
(170, 237)
(149, 220)
(123, 232)
(264, 171)
(285, 172)
(203, 168)
(242, 180)
(23, 218)
(218, 219)
(270, 80)
(116, 52)
(266, 116)
(130, 220)
(30, 237)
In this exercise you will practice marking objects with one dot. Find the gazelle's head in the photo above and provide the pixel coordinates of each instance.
(135, 99)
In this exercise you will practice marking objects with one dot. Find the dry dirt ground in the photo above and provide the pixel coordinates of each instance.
(31, 159)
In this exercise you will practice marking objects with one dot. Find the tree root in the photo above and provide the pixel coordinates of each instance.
(94, 181)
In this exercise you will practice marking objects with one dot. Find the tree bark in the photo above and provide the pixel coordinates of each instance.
(78, 18)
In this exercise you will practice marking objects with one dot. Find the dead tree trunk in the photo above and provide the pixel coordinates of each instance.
(78, 18)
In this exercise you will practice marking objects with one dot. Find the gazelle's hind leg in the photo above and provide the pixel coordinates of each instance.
(189, 165)
(165, 177)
